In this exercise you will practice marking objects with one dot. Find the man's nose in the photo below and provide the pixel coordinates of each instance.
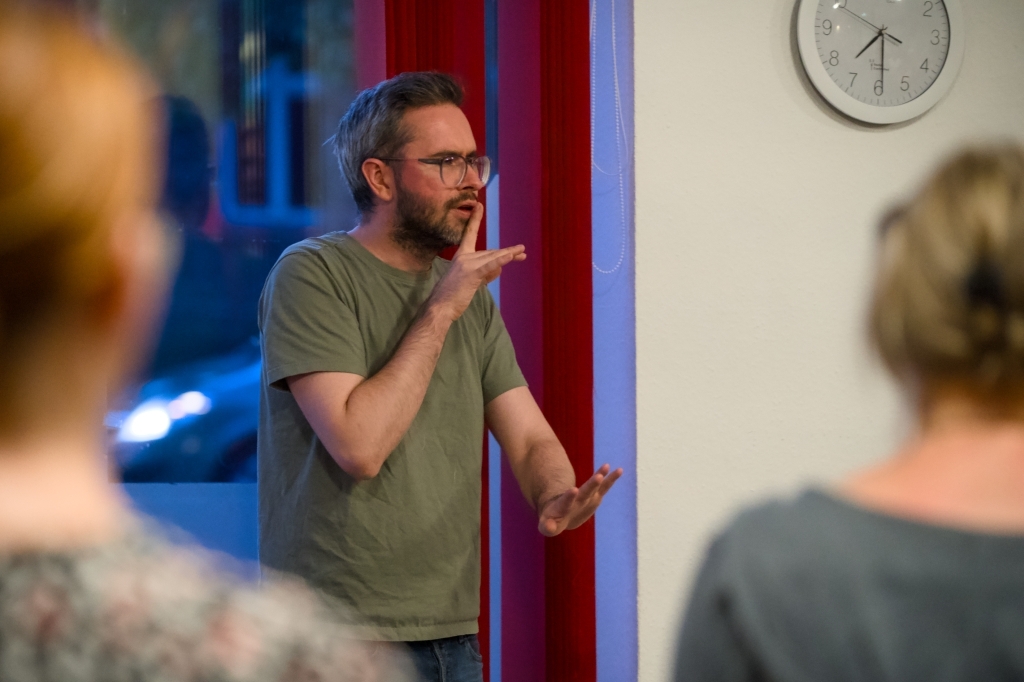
(471, 180)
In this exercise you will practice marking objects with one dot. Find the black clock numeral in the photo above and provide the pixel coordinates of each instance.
(878, 87)
(935, 37)
(904, 84)
(928, 8)
(833, 58)
(924, 65)
(826, 27)
(854, 74)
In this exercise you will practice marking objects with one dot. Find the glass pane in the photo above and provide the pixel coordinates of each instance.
(252, 90)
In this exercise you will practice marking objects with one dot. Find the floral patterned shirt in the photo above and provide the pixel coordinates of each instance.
(141, 608)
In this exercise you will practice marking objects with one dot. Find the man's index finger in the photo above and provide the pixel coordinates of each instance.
(468, 244)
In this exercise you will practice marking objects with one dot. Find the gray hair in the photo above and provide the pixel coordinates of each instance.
(372, 127)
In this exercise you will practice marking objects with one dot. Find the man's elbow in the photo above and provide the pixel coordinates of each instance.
(361, 472)
(359, 468)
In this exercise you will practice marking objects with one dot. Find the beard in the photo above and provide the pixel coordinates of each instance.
(424, 228)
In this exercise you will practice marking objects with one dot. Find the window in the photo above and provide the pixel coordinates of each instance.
(252, 89)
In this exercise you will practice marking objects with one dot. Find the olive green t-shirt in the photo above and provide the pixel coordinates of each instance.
(402, 549)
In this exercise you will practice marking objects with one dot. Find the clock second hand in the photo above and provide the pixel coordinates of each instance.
(859, 17)
(882, 77)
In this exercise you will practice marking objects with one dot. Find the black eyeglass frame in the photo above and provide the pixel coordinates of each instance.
(484, 175)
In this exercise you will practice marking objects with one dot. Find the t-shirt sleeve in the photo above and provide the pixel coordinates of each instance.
(500, 371)
(306, 325)
(711, 647)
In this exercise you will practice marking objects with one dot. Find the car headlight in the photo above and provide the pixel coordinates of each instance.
(152, 419)
(149, 421)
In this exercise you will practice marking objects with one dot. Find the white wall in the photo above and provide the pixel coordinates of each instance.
(755, 226)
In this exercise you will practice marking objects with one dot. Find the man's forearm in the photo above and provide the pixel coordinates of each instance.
(544, 473)
(380, 410)
(361, 421)
(540, 465)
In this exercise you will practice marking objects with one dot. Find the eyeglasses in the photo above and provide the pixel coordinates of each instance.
(454, 167)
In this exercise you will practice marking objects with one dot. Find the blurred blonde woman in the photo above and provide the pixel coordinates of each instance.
(913, 569)
(85, 592)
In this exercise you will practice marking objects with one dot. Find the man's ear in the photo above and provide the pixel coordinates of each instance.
(381, 178)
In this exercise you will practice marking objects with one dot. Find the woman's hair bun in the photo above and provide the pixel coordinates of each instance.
(948, 301)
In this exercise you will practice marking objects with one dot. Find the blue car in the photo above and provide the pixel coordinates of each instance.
(195, 424)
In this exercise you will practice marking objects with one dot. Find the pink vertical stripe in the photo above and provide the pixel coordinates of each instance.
(371, 45)
(522, 566)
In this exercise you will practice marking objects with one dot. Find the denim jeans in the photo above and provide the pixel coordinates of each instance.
(452, 659)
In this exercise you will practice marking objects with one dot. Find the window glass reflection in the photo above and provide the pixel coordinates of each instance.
(252, 88)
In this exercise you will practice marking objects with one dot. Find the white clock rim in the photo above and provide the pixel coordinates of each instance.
(869, 113)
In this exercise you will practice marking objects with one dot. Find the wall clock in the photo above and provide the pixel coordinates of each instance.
(881, 61)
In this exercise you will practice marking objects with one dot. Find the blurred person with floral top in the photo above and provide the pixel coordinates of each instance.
(87, 590)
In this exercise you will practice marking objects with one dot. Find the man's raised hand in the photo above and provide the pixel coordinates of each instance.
(471, 269)
(573, 507)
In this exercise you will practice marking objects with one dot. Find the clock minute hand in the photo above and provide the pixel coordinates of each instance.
(877, 36)
(862, 19)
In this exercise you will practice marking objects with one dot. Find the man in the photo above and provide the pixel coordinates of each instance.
(381, 364)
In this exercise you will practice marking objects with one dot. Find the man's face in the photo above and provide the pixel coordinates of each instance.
(431, 216)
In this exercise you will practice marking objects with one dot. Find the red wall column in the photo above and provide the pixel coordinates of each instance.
(568, 324)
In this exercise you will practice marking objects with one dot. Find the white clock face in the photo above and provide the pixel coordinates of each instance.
(882, 52)
(881, 61)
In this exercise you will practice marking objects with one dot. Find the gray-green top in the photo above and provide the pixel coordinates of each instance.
(818, 588)
(401, 549)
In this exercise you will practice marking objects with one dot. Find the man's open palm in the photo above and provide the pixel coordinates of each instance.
(572, 508)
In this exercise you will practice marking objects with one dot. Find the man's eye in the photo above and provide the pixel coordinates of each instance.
(450, 161)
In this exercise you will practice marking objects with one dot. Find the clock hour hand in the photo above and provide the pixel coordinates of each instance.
(873, 40)
(862, 19)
